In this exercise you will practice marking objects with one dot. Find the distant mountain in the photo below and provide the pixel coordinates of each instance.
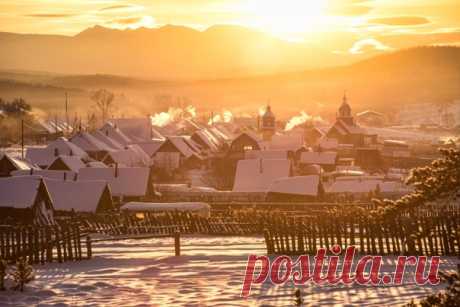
(384, 83)
(169, 52)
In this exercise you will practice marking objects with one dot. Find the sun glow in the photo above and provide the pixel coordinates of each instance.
(287, 18)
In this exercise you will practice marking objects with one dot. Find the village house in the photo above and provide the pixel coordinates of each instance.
(43, 157)
(244, 142)
(9, 164)
(91, 145)
(178, 152)
(80, 196)
(25, 200)
(112, 132)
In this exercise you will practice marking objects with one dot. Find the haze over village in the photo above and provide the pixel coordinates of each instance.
(147, 148)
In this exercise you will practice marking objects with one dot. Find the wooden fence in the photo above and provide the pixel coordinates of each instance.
(43, 244)
(422, 233)
(168, 223)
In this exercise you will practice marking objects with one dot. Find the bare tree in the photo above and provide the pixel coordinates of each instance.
(104, 102)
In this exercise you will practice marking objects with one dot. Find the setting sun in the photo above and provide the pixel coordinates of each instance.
(285, 18)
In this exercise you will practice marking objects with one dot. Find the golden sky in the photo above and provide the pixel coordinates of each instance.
(376, 24)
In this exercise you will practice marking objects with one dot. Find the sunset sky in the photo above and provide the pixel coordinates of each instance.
(359, 24)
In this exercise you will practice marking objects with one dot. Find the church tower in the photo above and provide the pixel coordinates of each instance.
(268, 126)
(345, 112)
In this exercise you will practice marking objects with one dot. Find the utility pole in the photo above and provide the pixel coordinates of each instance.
(66, 113)
(22, 138)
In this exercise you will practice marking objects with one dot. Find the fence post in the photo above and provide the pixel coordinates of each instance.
(177, 243)
(89, 252)
(268, 242)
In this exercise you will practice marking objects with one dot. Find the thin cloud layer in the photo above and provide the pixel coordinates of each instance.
(400, 21)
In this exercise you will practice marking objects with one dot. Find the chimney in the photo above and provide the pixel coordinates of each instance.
(75, 177)
(106, 132)
(116, 170)
(65, 176)
(56, 152)
(71, 153)
(261, 167)
(31, 171)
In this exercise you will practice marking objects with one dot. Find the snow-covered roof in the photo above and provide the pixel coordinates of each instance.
(266, 154)
(19, 192)
(17, 163)
(299, 185)
(395, 143)
(136, 129)
(151, 147)
(51, 174)
(256, 175)
(107, 140)
(127, 157)
(61, 146)
(184, 146)
(321, 158)
(82, 196)
(115, 134)
(192, 207)
(89, 143)
(208, 139)
(73, 163)
(124, 181)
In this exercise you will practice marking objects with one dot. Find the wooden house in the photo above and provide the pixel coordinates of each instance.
(25, 200)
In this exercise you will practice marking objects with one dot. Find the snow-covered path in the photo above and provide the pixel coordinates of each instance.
(209, 273)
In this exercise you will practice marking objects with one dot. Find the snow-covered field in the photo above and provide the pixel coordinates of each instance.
(209, 273)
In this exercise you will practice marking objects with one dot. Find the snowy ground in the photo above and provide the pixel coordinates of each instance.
(210, 273)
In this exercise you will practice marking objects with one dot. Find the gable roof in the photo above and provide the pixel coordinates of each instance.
(124, 181)
(89, 143)
(256, 175)
(183, 146)
(107, 140)
(17, 163)
(19, 192)
(115, 134)
(151, 147)
(45, 156)
(136, 129)
(299, 185)
(321, 158)
(82, 196)
(71, 163)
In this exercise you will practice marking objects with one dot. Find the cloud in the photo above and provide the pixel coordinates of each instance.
(122, 7)
(400, 21)
(348, 7)
(50, 15)
(404, 40)
(133, 22)
(368, 45)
